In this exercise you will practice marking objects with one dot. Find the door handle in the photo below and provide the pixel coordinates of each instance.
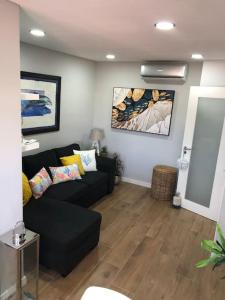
(187, 148)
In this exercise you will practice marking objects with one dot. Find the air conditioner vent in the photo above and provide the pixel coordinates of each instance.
(161, 71)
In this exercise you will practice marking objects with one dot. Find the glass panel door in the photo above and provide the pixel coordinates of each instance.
(206, 142)
(201, 183)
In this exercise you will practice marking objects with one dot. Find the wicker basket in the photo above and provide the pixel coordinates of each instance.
(164, 182)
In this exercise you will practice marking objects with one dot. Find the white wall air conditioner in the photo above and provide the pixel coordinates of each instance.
(164, 72)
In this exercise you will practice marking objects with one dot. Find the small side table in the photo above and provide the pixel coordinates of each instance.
(24, 258)
(164, 182)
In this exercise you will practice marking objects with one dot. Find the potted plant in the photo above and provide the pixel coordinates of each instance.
(119, 168)
(216, 250)
(104, 151)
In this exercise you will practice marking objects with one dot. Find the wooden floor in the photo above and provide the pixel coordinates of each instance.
(147, 251)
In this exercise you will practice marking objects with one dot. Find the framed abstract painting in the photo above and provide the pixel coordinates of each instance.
(40, 103)
(144, 110)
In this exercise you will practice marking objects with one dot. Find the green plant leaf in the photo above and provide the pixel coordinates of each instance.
(203, 263)
(211, 260)
(220, 261)
(221, 236)
(211, 246)
(218, 243)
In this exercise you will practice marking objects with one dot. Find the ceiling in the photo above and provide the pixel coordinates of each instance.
(93, 28)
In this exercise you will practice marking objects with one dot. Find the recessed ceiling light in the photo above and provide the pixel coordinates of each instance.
(110, 56)
(37, 32)
(164, 25)
(197, 56)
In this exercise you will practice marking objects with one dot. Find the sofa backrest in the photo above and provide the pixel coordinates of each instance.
(66, 151)
(32, 164)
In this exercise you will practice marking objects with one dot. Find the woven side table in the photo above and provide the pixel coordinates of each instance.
(164, 182)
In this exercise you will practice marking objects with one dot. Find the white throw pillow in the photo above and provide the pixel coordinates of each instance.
(88, 159)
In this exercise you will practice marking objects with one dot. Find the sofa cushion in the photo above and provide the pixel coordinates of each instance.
(88, 159)
(95, 178)
(27, 193)
(73, 159)
(64, 261)
(96, 182)
(65, 173)
(62, 226)
(70, 191)
(107, 165)
(40, 183)
(32, 164)
(66, 151)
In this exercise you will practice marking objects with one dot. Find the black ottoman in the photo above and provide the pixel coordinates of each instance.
(67, 232)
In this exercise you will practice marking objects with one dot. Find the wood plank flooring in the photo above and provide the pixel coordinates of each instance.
(147, 251)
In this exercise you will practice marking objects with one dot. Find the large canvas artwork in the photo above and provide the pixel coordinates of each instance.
(145, 110)
(40, 102)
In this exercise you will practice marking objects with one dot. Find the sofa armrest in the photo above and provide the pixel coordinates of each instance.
(107, 165)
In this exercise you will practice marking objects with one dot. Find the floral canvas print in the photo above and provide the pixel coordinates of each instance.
(144, 110)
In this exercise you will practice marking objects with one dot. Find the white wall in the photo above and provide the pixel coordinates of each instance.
(10, 135)
(140, 151)
(222, 215)
(77, 88)
(213, 74)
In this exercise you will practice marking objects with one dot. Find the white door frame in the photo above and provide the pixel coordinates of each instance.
(213, 211)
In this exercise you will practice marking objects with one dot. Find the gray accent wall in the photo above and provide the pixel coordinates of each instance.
(77, 89)
(140, 151)
(86, 102)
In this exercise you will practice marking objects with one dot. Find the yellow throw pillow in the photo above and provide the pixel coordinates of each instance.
(73, 159)
(27, 193)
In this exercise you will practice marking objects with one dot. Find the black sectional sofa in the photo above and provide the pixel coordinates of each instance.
(68, 229)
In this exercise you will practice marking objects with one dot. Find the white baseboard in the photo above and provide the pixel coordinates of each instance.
(198, 209)
(137, 182)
